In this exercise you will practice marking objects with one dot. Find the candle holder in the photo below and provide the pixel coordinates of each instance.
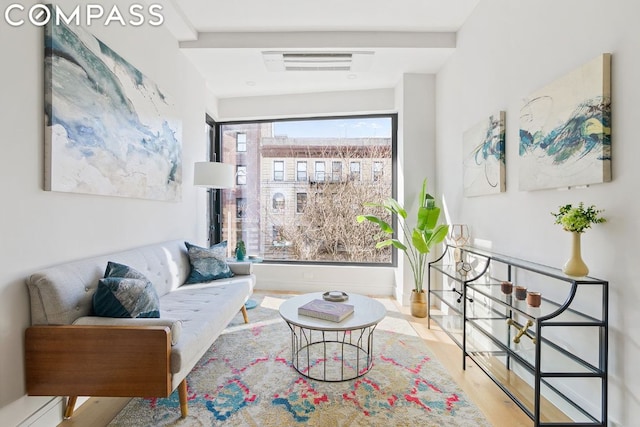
(506, 288)
(534, 299)
(521, 293)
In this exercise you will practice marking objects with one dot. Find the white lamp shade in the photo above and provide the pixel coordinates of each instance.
(213, 175)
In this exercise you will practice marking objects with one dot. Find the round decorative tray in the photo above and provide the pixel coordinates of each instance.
(335, 296)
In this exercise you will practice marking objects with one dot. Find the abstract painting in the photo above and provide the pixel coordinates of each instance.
(484, 157)
(109, 129)
(565, 130)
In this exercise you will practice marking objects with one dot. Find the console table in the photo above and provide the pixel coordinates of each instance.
(551, 360)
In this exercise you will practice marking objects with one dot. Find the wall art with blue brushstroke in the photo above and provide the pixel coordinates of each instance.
(565, 130)
(109, 129)
(484, 157)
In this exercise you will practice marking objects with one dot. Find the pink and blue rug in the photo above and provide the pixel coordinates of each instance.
(246, 379)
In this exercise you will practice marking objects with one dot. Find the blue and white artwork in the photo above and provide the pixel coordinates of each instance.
(484, 157)
(565, 130)
(109, 129)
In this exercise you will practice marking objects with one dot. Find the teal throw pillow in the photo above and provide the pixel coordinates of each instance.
(125, 292)
(208, 264)
(115, 269)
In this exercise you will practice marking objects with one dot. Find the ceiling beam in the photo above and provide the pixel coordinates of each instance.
(322, 39)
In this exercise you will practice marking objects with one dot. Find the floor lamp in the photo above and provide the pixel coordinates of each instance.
(214, 176)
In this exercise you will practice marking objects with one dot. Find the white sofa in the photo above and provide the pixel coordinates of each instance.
(68, 352)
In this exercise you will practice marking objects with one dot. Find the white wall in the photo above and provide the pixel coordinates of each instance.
(39, 228)
(506, 50)
(415, 100)
(306, 105)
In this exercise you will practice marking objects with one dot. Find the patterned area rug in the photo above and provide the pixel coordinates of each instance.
(246, 379)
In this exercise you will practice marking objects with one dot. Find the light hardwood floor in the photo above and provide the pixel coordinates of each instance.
(496, 406)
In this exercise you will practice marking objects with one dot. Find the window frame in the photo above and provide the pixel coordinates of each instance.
(279, 162)
(319, 174)
(393, 178)
(298, 170)
(242, 144)
(351, 171)
(240, 174)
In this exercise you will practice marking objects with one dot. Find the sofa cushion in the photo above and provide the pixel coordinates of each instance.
(125, 297)
(173, 324)
(205, 310)
(207, 263)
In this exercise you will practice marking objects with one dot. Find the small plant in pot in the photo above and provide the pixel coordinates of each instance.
(241, 250)
(419, 239)
(576, 220)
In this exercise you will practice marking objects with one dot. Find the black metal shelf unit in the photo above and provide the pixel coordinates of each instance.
(551, 360)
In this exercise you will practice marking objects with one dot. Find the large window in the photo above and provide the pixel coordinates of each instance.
(302, 161)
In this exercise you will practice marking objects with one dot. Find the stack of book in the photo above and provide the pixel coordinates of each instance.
(320, 309)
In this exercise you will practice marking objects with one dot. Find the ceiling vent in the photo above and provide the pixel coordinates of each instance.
(317, 61)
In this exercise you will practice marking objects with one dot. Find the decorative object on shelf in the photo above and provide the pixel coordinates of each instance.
(459, 237)
(109, 129)
(484, 159)
(577, 220)
(521, 293)
(463, 268)
(241, 250)
(534, 299)
(335, 296)
(418, 240)
(522, 330)
(506, 287)
(565, 130)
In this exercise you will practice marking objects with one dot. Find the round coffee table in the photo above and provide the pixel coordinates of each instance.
(332, 351)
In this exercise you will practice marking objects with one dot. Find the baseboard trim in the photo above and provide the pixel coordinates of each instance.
(50, 414)
(45, 412)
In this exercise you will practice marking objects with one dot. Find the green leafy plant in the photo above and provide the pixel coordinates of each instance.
(420, 238)
(241, 250)
(578, 218)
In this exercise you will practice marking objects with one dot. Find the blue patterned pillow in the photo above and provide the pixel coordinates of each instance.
(125, 292)
(207, 264)
(120, 270)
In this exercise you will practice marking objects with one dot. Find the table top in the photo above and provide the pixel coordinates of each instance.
(366, 312)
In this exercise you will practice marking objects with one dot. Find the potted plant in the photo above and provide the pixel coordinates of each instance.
(419, 239)
(241, 250)
(577, 220)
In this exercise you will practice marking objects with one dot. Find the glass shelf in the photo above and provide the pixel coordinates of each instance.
(519, 384)
(449, 298)
(451, 324)
(553, 358)
(531, 266)
(548, 309)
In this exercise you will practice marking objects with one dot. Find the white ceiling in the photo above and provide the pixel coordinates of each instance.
(225, 39)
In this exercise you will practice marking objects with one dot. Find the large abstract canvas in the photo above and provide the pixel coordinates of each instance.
(565, 130)
(484, 157)
(109, 129)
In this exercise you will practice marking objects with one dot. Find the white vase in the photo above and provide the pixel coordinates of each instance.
(575, 266)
